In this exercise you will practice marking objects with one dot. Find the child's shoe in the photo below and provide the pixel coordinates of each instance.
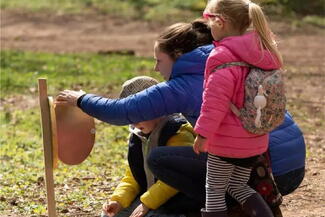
(255, 206)
(277, 211)
(213, 214)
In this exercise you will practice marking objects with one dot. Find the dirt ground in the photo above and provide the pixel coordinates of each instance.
(303, 50)
(67, 34)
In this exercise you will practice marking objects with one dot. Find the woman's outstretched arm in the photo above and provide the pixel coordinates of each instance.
(159, 100)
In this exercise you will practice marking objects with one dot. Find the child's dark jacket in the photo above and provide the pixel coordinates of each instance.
(174, 133)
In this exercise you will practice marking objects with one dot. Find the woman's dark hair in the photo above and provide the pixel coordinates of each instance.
(181, 38)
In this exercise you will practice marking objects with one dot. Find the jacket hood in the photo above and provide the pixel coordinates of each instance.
(192, 62)
(245, 48)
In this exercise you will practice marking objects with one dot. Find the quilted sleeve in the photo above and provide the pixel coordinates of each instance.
(159, 100)
(127, 190)
(219, 88)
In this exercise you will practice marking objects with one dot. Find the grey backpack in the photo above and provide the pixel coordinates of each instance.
(265, 101)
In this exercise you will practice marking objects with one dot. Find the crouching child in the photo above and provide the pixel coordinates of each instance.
(139, 193)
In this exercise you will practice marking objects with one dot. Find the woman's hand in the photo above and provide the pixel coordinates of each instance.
(69, 97)
(199, 144)
(140, 211)
(111, 208)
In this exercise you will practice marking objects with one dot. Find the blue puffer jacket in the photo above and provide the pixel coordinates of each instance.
(287, 147)
(181, 94)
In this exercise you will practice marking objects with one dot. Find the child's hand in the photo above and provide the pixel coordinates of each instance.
(111, 208)
(199, 144)
(140, 211)
(68, 97)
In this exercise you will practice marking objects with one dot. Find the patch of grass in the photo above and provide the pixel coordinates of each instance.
(70, 6)
(79, 189)
(315, 20)
(96, 73)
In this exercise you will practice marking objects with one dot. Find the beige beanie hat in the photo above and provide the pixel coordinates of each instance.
(136, 85)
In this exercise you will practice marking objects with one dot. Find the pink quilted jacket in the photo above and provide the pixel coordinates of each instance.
(224, 132)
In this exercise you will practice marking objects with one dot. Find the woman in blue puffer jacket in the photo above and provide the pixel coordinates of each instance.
(288, 152)
(181, 59)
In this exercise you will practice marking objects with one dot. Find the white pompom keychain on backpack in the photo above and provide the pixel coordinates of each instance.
(260, 103)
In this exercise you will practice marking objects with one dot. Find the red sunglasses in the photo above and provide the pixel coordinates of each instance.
(207, 15)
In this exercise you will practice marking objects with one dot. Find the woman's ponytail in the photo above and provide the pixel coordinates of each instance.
(262, 28)
(201, 25)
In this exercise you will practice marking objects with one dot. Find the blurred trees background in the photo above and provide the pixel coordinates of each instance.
(303, 7)
(163, 11)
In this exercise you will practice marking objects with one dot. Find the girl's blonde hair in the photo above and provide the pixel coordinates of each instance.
(241, 13)
(181, 38)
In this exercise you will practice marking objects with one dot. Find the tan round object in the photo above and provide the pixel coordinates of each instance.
(75, 134)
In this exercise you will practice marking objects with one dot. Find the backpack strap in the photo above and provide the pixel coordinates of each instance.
(233, 108)
(232, 64)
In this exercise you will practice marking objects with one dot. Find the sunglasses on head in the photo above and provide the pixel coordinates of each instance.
(208, 15)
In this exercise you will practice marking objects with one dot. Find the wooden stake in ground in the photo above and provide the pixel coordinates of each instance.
(47, 145)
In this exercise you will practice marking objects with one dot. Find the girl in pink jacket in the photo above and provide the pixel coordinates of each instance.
(231, 149)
